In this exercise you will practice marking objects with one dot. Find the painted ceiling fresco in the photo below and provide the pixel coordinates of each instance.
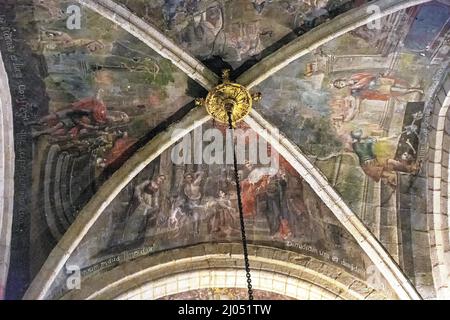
(89, 97)
(170, 205)
(356, 107)
(237, 31)
(105, 91)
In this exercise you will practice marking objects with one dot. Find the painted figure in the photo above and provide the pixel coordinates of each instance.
(243, 40)
(81, 117)
(368, 86)
(296, 206)
(413, 128)
(276, 207)
(178, 216)
(193, 194)
(253, 183)
(143, 210)
(222, 218)
(386, 170)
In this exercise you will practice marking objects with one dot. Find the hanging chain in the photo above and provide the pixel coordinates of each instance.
(241, 212)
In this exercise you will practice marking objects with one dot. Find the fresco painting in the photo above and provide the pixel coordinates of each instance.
(90, 96)
(168, 206)
(237, 32)
(355, 107)
(105, 91)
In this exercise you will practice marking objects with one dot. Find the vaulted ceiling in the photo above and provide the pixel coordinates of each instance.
(354, 104)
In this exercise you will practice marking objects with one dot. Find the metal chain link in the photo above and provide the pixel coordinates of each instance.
(241, 213)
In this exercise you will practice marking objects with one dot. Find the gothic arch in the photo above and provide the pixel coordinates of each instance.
(289, 53)
(220, 266)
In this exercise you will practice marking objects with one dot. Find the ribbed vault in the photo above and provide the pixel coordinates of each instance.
(293, 274)
(88, 216)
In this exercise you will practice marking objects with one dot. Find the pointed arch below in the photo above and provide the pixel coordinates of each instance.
(349, 220)
(221, 266)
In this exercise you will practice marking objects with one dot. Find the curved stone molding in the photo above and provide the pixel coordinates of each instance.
(301, 46)
(229, 278)
(438, 191)
(105, 195)
(322, 34)
(155, 39)
(220, 266)
(6, 175)
(349, 220)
